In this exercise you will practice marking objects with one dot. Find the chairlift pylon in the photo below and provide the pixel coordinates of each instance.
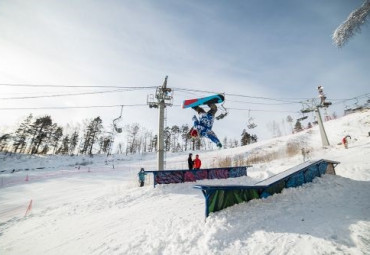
(118, 130)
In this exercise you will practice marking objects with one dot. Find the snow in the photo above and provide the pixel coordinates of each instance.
(83, 205)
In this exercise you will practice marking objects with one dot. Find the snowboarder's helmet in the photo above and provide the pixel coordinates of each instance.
(194, 133)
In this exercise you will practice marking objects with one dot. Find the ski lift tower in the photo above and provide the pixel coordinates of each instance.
(313, 106)
(163, 98)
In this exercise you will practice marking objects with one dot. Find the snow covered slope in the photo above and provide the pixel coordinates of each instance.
(84, 206)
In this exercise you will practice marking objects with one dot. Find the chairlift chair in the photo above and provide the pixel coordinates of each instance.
(302, 118)
(118, 129)
(251, 124)
(223, 113)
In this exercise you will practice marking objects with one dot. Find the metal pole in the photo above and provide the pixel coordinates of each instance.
(161, 105)
(164, 98)
(324, 137)
(160, 152)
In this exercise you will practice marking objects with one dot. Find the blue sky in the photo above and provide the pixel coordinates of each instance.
(273, 49)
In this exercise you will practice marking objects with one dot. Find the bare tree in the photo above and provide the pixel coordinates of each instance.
(225, 142)
(146, 141)
(352, 25)
(289, 119)
(175, 132)
(132, 137)
(186, 138)
(167, 139)
(274, 128)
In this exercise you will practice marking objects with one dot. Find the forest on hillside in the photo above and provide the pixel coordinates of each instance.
(41, 135)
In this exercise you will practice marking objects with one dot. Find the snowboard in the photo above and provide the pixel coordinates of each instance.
(214, 99)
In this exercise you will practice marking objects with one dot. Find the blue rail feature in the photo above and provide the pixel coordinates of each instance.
(220, 197)
(179, 176)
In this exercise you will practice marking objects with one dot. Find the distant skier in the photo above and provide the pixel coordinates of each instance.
(345, 141)
(141, 175)
(203, 126)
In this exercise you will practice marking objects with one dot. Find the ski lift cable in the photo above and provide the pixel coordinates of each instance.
(252, 110)
(287, 103)
(63, 95)
(69, 107)
(239, 95)
(350, 99)
(257, 110)
(267, 98)
(74, 86)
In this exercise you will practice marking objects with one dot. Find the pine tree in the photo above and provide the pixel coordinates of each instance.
(41, 129)
(73, 142)
(21, 135)
(56, 135)
(298, 126)
(247, 138)
(185, 136)
(254, 138)
(64, 147)
(4, 139)
(93, 129)
(105, 143)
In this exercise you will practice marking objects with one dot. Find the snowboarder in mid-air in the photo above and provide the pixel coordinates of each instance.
(203, 125)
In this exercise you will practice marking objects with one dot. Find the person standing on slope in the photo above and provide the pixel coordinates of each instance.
(141, 175)
(197, 162)
(203, 126)
(190, 162)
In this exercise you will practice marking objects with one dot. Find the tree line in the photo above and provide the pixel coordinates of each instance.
(41, 135)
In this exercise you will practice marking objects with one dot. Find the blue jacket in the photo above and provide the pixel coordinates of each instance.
(142, 176)
(204, 126)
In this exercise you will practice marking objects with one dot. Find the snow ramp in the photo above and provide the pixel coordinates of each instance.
(220, 197)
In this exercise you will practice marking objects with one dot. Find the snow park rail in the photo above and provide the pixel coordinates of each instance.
(179, 176)
(220, 197)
